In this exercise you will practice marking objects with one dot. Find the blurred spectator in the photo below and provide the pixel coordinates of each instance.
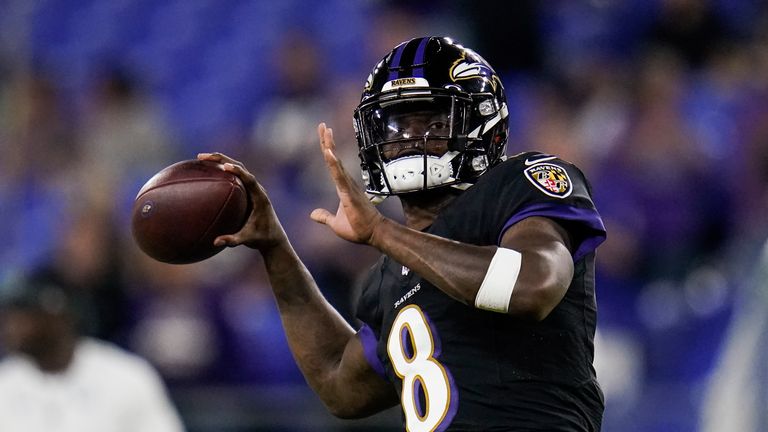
(401, 20)
(209, 322)
(55, 380)
(88, 260)
(39, 137)
(255, 349)
(123, 134)
(39, 156)
(171, 319)
(750, 158)
(736, 397)
(285, 128)
(521, 25)
(690, 28)
(658, 185)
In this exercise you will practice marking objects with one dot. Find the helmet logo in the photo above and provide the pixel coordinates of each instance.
(466, 70)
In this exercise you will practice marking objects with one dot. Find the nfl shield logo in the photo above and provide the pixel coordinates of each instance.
(550, 178)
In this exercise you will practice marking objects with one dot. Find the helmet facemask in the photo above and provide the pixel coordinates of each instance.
(417, 139)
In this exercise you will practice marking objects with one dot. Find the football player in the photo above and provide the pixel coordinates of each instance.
(480, 314)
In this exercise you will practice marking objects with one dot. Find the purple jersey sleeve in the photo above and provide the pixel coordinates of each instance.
(530, 184)
(368, 339)
(588, 217)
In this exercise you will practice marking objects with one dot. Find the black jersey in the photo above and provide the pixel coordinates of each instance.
(459, 368)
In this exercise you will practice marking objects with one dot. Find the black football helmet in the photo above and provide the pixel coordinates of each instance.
(433, 113)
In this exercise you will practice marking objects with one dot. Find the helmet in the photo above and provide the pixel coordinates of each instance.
(432, 114)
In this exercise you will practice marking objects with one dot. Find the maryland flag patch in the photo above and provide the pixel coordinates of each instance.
(551, 179)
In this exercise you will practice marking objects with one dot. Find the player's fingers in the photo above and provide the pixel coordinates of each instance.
(321, 216)
(219, 157)
(328, 141)
(339, 175)
(320, 134)
(326, 137)
(321, 129)
(208, 156)
(259, 200)
(249, 180)
(327, 144)
(332, 145)
(226, 240)
(339, 179)
(257, 192)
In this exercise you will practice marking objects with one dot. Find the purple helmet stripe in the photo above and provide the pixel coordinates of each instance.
(419, 58)
(395, 63)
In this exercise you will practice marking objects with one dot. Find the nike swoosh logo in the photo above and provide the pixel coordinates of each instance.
(529, 162)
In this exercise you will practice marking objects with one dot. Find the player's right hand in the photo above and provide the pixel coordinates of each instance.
(356, 219)
(262, 229)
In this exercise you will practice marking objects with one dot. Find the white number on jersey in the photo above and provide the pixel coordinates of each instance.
(411, 346)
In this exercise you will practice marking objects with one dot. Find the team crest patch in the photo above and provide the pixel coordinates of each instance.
(551, 179)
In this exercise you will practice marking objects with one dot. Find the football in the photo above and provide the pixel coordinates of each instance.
(180, 211)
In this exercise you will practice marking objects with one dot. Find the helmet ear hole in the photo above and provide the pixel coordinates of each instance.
(486, 108)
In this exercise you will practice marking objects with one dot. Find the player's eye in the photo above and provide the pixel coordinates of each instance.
(437, 125)
(438, 128)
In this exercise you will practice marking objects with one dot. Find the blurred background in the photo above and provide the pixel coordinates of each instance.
(663, 104)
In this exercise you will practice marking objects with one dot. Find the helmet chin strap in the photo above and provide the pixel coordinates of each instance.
(376, 199)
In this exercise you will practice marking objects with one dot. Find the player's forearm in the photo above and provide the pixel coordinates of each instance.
(316, 333)
(456, 268)
(459, 269)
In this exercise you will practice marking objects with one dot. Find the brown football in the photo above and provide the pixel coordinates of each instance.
(184, 207)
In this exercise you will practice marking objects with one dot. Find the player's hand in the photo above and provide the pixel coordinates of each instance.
(262, 230)
(356, 218)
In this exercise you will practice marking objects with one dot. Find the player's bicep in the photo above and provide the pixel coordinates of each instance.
(359, 391)
(546, 267)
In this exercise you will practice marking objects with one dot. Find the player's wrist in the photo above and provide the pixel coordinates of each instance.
(379, 232)
(273, 245)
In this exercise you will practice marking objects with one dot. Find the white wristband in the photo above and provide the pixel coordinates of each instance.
(496, 290)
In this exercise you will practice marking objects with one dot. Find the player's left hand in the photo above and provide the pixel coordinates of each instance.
(356, 218)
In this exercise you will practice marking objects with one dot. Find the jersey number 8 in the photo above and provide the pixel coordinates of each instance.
(426, 394)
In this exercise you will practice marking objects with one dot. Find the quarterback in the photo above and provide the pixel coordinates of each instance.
(480, 314)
